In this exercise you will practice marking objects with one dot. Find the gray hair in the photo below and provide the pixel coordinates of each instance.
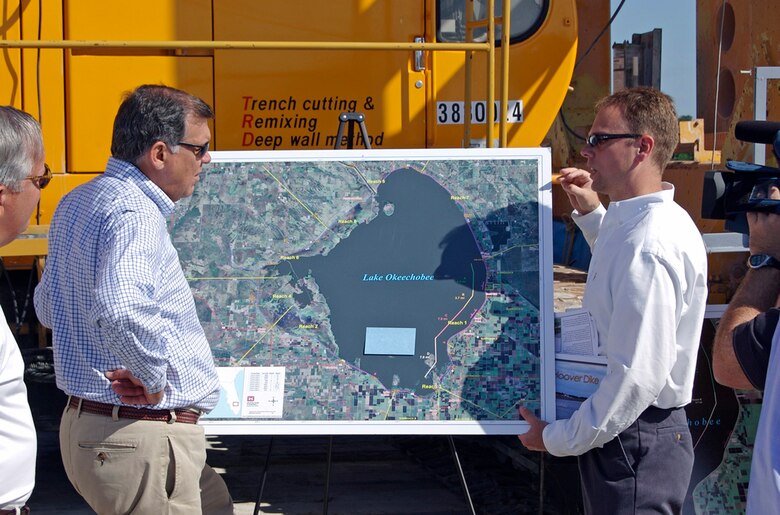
(21, 146)
(150, 114)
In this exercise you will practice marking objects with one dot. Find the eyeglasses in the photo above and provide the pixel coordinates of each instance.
(41, 181)
(594, 140)
(198, 150)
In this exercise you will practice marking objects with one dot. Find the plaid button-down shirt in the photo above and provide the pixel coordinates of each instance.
(115, 296)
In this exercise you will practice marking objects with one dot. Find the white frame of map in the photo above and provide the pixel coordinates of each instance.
(241, 426)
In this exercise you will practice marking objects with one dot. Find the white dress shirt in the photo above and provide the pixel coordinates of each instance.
(18, 444)
(647, 291)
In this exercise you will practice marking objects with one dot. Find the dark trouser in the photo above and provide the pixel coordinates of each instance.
(645, 469)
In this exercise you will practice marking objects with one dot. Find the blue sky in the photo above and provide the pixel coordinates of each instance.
(677, 19)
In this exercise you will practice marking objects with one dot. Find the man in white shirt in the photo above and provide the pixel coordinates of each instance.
(647, 291)
(22, 175)
(746, 355)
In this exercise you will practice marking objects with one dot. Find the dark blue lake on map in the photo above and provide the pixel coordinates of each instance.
(415, 265)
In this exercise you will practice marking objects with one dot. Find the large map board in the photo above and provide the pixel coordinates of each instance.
(374, 291)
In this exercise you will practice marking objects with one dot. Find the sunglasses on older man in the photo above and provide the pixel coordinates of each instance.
(41, 181)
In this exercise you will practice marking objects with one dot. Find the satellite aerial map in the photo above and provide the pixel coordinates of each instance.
(371, 291)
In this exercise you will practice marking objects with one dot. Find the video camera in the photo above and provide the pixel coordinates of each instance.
(747, 187)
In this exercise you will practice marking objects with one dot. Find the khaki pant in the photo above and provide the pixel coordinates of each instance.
(139, 466)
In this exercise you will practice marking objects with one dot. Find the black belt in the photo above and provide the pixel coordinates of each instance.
(185, 416)
(25, 510)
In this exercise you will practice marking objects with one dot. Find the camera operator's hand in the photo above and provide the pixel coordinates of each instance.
(765, 230)
(759, 291)
(578, 187)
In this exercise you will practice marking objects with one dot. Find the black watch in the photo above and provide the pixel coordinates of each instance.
(762, 260)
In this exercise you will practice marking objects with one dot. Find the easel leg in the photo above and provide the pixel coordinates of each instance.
(460, 473)
(541, 483)
(327, 476)
(265, 475)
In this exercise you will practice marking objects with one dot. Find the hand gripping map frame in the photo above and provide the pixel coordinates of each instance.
(374, 291)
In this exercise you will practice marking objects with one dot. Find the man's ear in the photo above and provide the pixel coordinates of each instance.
(157, 155)
(4, 191)
(646, 145)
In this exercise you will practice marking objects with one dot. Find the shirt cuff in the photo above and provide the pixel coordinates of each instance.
(550, 432)
(589, 223)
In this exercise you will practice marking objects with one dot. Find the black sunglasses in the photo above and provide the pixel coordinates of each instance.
(198, 150)
(594, 140)
(41, 181)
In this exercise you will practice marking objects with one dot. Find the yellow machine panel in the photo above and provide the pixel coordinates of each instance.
(291, 99)
(139, 20)
(95, 87)
(97, 78)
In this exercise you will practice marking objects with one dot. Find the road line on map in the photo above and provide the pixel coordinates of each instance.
(269, 330)
(296, 198)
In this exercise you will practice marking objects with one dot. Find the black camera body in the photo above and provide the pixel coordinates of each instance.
(728, 195)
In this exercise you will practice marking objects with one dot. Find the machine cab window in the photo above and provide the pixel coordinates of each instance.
(526, 18)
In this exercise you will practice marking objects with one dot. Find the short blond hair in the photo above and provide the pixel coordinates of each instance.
(648, 111)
